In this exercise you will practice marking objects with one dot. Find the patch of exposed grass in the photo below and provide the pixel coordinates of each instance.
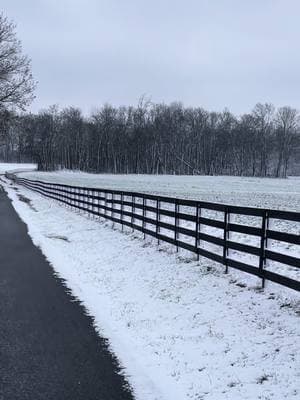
(59, 237)
(27, 201)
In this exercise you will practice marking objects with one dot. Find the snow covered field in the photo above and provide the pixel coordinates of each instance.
(15, 167)
(181, 329)
(254, 192)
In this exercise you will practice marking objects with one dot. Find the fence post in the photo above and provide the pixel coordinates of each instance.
(105, 204)
(197, 230)
(144, 216)
(263, 244)
(122, 209)
(80, 202)
(85, 197)
(157, 219)
(72, 198)
(75, 198)
(176, 223)
(132, 211)
(88, 200)
(112, 209)
(94, 203)
(97, 205)
(225, 237)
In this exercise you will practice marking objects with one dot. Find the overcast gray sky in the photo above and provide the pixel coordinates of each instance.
(209, 53)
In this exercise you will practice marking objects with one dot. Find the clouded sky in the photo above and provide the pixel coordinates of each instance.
(209, 53)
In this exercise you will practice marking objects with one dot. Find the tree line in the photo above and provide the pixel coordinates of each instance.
(156, 139)
(148, 138)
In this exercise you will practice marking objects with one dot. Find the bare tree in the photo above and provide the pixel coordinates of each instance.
(156, 139)
(287, 119)
(16, 82)
(263, 119)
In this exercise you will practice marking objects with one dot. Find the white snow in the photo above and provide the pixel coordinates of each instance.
(181, 329)
(4, 167)
(253, 192)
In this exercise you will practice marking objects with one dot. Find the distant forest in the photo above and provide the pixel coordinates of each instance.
(156, 139)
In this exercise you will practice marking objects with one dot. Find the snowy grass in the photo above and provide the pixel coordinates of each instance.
(253, 192)
(15, 167)
(181, 329)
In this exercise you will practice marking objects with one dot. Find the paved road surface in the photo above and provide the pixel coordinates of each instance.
(48, 347)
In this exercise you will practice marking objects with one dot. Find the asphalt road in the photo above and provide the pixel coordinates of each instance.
(48, 346)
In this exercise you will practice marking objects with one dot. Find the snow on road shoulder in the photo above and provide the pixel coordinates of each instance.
(180, 328)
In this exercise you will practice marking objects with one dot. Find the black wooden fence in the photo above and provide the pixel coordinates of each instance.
(223, 233)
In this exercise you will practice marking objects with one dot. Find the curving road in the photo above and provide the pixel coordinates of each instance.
(48, 346)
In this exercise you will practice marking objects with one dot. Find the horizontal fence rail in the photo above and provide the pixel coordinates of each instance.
(237, 237)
